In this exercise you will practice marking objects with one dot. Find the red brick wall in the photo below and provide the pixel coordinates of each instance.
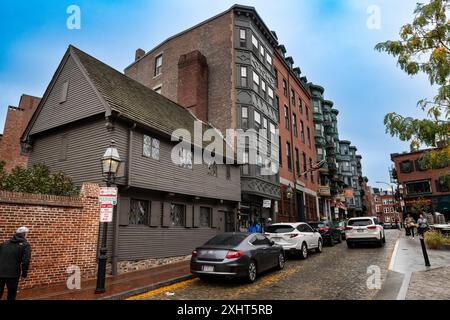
(285, 134)
(193, 84)
(214, 39)
(433, 175)
(63, 232)
(16, 122)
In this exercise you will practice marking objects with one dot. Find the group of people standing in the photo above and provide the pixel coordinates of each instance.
(421, 225)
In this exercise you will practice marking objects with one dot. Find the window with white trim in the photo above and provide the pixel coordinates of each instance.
(255, 81)
(255, 42)
(158, 65)
(151, 147)
(185, 158)
(244, 82)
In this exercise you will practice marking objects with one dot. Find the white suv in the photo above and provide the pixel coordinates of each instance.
(296, 237)
(364, 229)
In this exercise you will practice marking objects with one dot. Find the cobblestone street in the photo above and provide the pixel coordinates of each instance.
(337, 273)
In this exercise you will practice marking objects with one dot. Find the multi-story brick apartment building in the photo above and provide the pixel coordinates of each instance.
(297, 147)
(368, 199)
(386, 206)
(420, 183)
(226, 65)
(231, 72)
(16, 121)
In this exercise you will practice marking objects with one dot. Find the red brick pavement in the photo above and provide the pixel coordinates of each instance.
(117, 287)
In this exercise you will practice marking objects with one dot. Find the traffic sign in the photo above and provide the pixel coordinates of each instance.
(106, 212)
(108, 195)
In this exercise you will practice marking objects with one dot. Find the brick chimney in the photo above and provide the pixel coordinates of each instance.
(193, 84)
(139, 54)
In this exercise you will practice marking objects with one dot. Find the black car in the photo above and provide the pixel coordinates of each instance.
(238, 255)
(341, 226)
(328, 230)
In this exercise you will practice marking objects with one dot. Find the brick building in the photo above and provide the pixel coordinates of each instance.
(297, 147)
(420, 183)
(368, 199)
(222, 70)
(387, 208)
(16, 121)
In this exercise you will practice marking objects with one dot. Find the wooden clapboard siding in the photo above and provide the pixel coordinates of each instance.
(81, 102)
(164, 175)
(86, 144)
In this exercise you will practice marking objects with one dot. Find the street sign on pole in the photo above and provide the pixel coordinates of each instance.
(106, 212)
(108, 195)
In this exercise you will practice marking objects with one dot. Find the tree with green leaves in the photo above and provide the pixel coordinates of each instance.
(36, 179)
(424, 46)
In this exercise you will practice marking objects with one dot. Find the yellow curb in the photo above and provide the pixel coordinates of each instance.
(155, 292)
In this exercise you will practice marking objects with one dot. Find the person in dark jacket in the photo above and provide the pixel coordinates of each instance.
(15, 255)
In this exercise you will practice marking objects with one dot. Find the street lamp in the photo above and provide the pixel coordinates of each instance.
(110, 163)
(110, 166)
(289, 192)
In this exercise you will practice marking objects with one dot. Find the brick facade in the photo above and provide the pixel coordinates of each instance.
(419, 183)
(193, 84)
(213, 39)
(387, 207)
(291, 132)
(17, 119)
(63, 232)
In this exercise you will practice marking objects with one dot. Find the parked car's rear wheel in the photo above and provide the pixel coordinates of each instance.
(251, 272)
(319, 246)
(384, 238)
(281, 261)
(381, 242)
(304, 251)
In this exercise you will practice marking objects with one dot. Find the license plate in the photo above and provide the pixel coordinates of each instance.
(276, 239)
(360, 230)
(208, 268)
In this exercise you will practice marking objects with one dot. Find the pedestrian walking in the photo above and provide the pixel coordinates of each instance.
(422, 225)
(268, 223)
(409, 226)
(254, 227)
(15, 255)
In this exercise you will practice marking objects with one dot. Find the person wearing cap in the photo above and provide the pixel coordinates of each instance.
(15, 255)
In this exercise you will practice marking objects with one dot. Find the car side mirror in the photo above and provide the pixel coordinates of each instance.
(316, 230)
(272, 242)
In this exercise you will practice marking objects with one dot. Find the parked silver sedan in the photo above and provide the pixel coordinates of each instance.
(237, 254)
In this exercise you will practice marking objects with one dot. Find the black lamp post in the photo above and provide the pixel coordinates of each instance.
(110, 166)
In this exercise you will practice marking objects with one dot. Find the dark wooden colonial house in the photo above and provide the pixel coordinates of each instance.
(164, 209)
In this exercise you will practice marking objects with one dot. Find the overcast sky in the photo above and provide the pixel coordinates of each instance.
(328, 39)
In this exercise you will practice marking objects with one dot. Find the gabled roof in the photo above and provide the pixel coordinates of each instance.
(133, 100)
(129, 98)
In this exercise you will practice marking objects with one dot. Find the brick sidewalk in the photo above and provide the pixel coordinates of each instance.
(117, 287)
(431, 284)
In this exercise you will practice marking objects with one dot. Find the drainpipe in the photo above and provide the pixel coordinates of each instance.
(115, 253)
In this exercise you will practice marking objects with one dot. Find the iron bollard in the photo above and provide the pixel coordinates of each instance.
(424, 251)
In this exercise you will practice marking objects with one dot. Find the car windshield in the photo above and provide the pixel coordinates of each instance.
(360, 222)
(317, 225)
(281, 228)
(227, 239)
